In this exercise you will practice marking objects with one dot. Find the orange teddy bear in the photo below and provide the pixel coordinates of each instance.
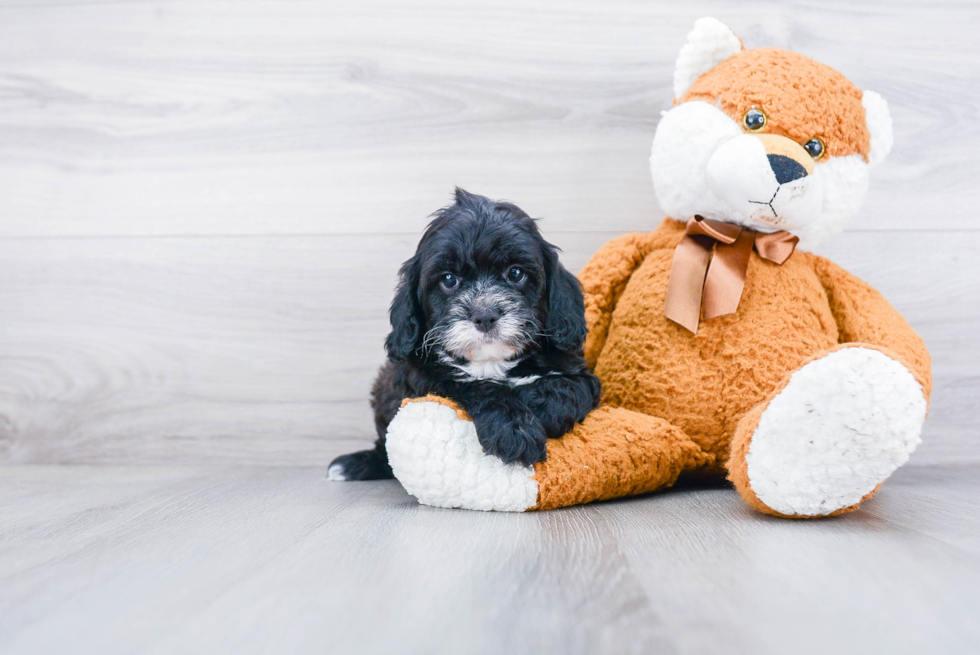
(723, 346)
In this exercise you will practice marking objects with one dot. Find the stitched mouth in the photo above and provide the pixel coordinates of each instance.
(768, 203)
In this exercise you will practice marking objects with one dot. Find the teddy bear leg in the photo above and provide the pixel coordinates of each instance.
(829, 436)
(434, 452)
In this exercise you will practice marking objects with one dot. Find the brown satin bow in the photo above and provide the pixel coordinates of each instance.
(696, 276)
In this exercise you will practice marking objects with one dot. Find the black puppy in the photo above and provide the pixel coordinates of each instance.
(487, 316)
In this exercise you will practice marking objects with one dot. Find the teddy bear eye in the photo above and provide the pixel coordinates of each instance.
(815, 148)
(754, 120)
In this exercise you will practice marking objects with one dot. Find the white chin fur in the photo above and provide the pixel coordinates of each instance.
(703, 163)
(462, 339)
(486, 357)
(490, 351)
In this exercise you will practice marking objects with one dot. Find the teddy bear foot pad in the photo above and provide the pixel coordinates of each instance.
(841, 425)
(435, 454)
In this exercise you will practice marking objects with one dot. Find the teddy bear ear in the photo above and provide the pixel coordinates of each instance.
(879, 121)
(709, 43)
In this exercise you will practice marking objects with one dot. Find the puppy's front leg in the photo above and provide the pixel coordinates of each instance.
(561, 401)
(505, 425)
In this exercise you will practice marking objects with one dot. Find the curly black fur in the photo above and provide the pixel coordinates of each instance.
(505, 345)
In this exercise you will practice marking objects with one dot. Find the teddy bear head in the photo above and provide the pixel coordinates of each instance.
(766, 138)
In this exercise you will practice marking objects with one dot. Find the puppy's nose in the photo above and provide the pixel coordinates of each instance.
(786, 169)
(484, 318)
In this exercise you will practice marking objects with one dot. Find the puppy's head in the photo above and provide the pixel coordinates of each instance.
(484, 286)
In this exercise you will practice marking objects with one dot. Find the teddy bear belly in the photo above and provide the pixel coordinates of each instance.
(705, 383)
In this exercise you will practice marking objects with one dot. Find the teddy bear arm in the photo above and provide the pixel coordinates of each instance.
(603, 280)
(864, 316)
(435, 452)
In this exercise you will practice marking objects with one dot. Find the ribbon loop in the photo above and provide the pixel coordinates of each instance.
(723, 232)
(709, 273)
(775, 247)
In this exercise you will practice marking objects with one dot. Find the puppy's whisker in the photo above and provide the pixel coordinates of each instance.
(433, 337)
(427, 346)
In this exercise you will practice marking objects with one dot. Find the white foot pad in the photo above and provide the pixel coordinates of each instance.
(438, 459)
(841, 426)
(336, 473)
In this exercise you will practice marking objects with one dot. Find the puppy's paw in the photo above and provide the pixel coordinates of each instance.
(362, 465)
(512, 437)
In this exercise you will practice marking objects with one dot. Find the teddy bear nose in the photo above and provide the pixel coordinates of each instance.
(785, 168)
(484, 318)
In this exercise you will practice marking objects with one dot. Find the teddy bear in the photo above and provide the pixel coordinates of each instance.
(725, 347)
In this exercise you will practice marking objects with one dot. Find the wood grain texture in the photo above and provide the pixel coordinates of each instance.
(213, 560)
(262, 350)
(257, 117)
(247, 349)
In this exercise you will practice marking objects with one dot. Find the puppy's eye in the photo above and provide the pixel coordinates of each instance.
(754, 120)
(516, 275)
(448, 281)
(815, 148)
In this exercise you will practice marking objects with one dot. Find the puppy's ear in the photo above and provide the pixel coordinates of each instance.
(462, 196)
(407, 318)
(565, 324)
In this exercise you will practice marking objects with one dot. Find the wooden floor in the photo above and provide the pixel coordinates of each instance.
(203, 206)
(112, 559)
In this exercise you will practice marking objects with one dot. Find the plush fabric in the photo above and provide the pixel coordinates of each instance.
(801, 474)
(436, 455)
(808, 396)
(705, 383)
(709, 43)
(801, 97)
(614, 452)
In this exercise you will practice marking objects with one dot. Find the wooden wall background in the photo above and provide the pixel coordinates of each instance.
(203, 204)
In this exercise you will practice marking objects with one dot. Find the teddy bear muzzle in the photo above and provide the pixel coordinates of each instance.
(767, 179)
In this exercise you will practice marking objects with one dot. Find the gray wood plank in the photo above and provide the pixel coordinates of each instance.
(251, 117)
(250, 349)
(760, 584)
(262, 350)
(939, 502)
(218, 560)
